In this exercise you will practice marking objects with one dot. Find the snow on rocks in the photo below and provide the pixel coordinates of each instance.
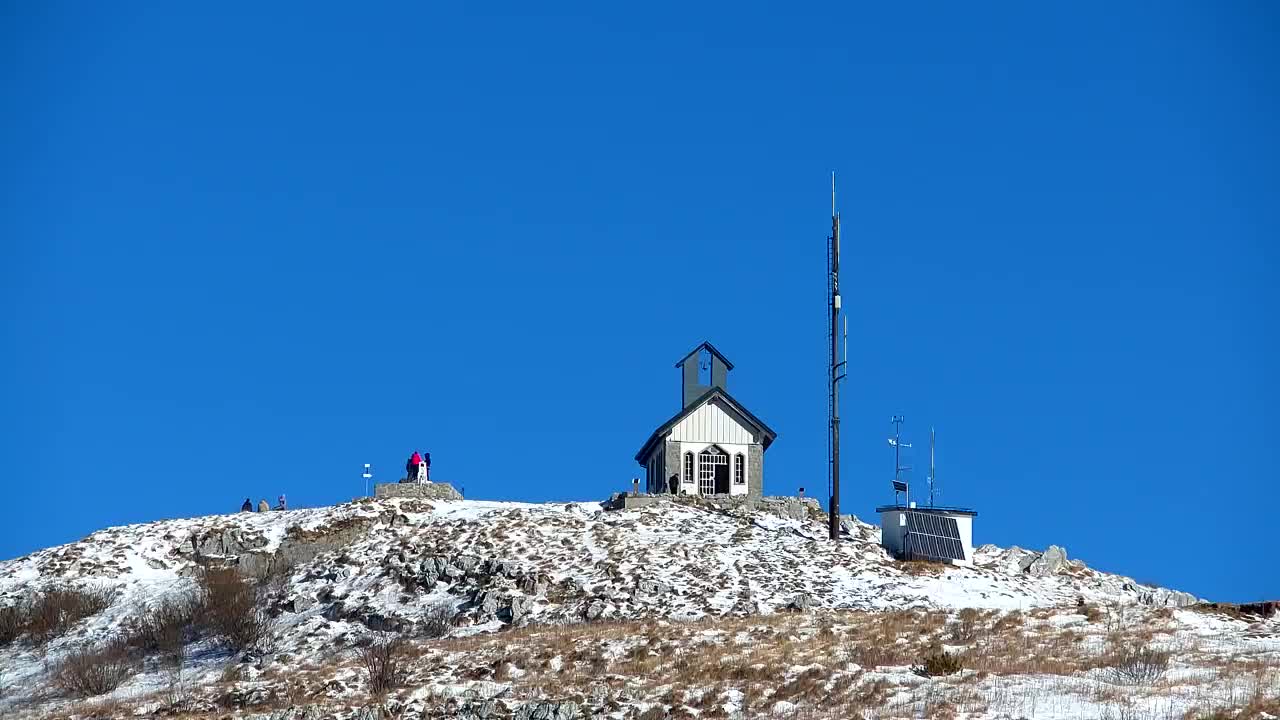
(369, 566)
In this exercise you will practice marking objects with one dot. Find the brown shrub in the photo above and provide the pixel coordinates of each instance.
(55, 609)
(1138, 664)
(228, 608)
(437, 620)
(937, 663)
(13, 622)
(965, 629)
(94, 670)
(164, 628)
(381, 660)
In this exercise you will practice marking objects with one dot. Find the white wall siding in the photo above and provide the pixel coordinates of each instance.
(712, 424)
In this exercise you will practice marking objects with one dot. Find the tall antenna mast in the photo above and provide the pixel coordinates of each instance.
(932, 469)
(835, 369)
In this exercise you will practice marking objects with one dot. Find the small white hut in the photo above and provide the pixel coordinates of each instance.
(940, 534)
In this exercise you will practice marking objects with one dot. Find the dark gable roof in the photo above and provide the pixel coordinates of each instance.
(710, 348)
(703, 399)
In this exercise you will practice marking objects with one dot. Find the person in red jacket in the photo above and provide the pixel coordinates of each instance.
(411, 469)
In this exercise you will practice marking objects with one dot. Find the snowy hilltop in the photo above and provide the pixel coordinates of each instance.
(564, 610)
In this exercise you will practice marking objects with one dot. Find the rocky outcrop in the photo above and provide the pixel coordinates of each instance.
(801, 602)
(1054, 561)
(1161, 597)
(221, 543)
(548, 710)
(1050, 562)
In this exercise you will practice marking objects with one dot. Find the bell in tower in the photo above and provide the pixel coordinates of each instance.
(702, 369)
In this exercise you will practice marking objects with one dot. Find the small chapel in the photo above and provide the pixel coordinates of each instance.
(713, 445)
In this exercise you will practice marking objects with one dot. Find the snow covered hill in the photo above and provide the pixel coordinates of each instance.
(334, 575)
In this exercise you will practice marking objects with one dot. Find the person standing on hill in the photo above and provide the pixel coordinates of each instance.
(247, 506)
(263, 506)
(411, 468)
(281, 505)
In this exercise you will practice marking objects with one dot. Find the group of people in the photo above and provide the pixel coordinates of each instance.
(262, 505)
(418, 469)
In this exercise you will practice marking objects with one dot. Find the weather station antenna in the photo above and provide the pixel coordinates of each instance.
(836, 369)
(900, 484)
(367, 475)
(933, 470)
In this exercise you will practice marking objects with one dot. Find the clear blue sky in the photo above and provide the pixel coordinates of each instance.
(246, 250)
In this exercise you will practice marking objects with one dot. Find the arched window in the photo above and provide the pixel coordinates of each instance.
(688, 467)
(739, 470)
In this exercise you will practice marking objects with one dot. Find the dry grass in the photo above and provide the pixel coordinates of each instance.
(820, 662)
(921, 567)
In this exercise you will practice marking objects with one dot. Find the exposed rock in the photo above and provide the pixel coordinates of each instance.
(488, 602)
(594, 610)
(535, 584)
(483, 710)
(801, 602)
(505, 568)
(300, 603)
(1164, 597)
(652, 588)
(520, 607)
(1051, 562)
(548, 710)
(222, 543)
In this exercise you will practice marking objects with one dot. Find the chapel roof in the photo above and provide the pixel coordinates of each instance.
(711, 394)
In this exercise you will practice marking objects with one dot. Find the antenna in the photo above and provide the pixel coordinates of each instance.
(932, 469)
(368, 473)
(900, 485)
(836, 369)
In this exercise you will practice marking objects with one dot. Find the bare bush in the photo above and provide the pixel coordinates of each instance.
(165, 627)
(55, 609)
(965, 629)
(1138, 664)
(94, 670)
(13, 622)
(937, 663)
(228, 609)
(381, 660)
(437, 620)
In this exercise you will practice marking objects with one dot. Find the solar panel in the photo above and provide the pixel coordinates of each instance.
(933, 536)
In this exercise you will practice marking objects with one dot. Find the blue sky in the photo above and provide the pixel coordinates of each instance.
(245, 250)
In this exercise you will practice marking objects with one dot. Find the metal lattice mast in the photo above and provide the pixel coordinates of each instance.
(834, 374)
